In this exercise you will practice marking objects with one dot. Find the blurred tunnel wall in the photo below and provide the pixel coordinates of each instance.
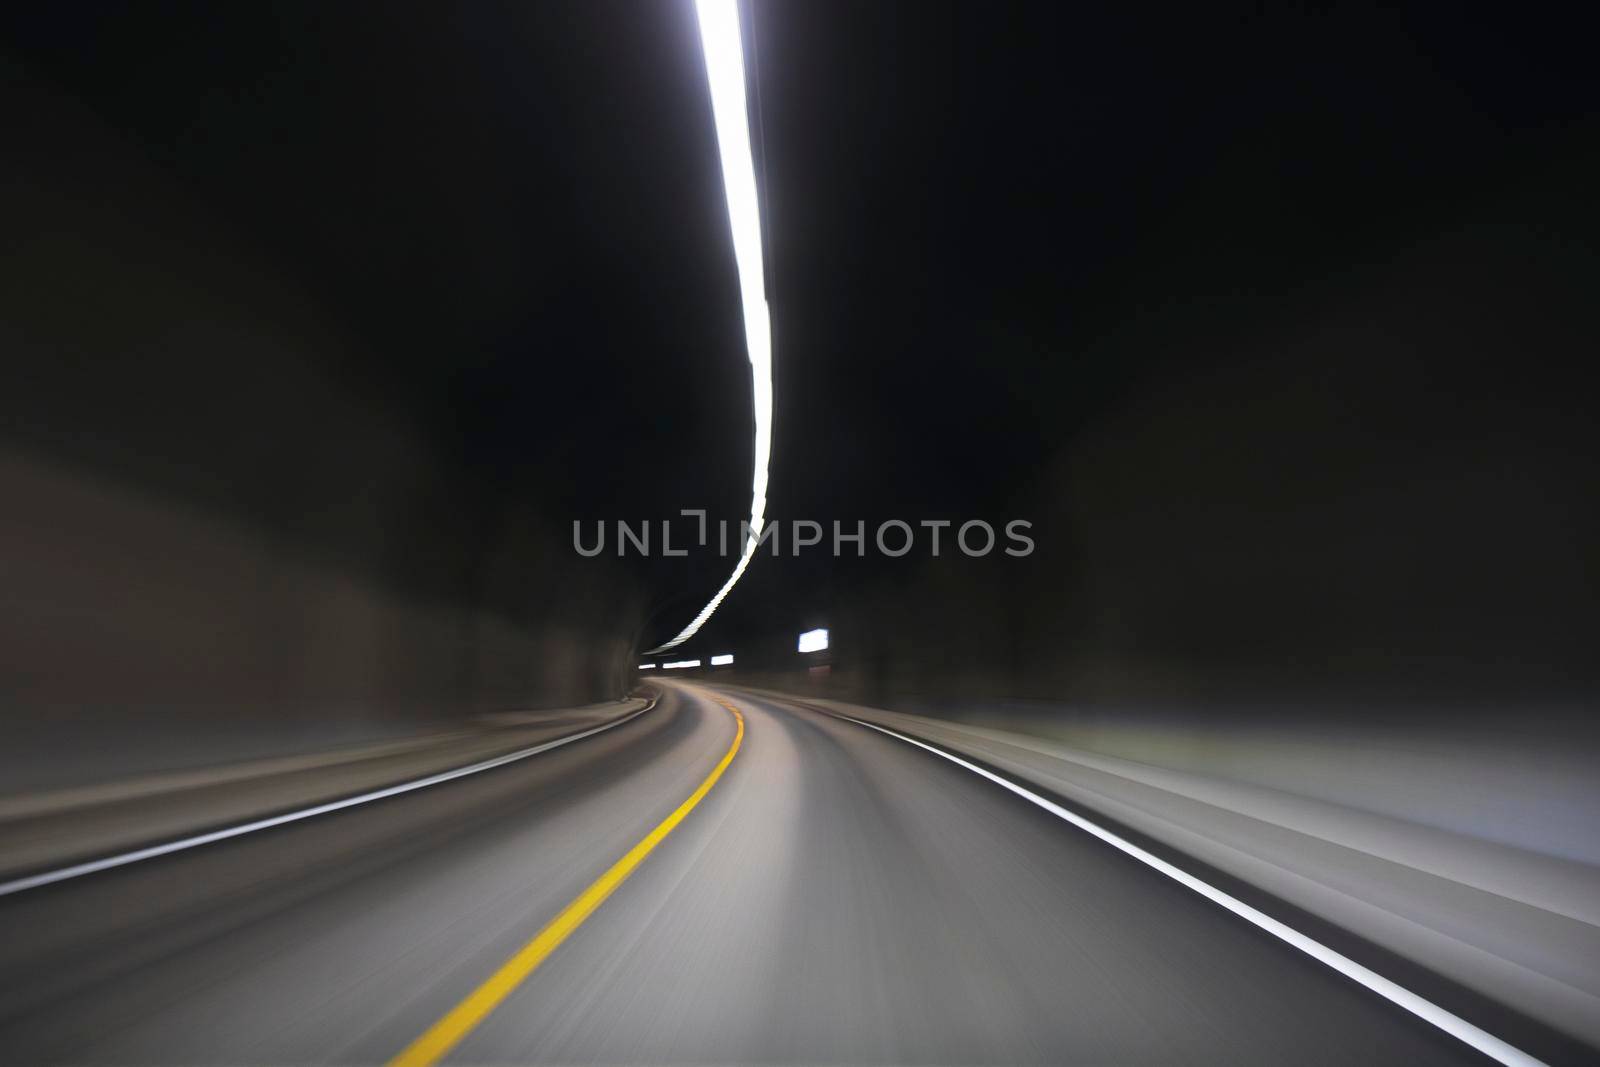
(1350, 551)
(218, 521)
(1383, 495)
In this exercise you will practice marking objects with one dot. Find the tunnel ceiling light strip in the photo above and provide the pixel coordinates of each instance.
(724, 52)
(1493, 1047)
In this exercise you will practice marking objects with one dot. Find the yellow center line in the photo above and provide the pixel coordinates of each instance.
(459, 1021)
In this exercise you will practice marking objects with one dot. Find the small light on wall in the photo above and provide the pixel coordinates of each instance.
(813, 641)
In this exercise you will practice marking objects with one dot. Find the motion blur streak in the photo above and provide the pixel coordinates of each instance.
(775, 924)
(719, 36)
(447, 1033)
(1450, 1023)
(122, 859)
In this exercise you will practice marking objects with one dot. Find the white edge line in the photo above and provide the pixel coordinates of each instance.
(1424, 1009)
(77, 870)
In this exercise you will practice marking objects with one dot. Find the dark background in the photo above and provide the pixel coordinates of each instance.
(1275, 324)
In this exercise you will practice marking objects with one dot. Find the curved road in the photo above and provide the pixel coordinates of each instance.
(838, 896)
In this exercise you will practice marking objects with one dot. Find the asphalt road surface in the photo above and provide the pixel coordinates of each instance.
(836, 896)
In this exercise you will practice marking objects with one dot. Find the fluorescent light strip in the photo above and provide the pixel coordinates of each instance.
(724, 52)
(1424, 1009)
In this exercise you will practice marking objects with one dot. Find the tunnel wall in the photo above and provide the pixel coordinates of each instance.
(133, 628)
(1347, 552)
(226, 529)
(1371, 488)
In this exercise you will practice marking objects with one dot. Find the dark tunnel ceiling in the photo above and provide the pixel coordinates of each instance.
(513, 214)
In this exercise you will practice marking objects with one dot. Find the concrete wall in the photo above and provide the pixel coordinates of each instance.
(225, 528)
(1365, 499)
(1372, 488)
(133, 629)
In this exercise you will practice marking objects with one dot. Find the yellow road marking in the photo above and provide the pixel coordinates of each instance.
(445, 1034)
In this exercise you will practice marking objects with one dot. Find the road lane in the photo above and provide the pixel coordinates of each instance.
(292, 945)
(840, 896)
(845, 898)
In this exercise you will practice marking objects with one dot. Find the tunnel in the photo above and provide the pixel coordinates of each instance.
(768, 532)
